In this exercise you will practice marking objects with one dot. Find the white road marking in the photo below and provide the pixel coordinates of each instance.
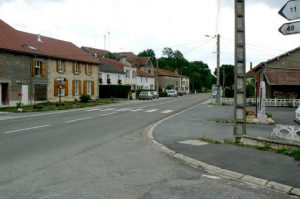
(108, 109)
(210, 176)
(85, 118)
(194, 142)
(89, 110)
(107, 114)
(135, 110)
(122, 109)
(151, 110)
(30, 128)
(167, 111)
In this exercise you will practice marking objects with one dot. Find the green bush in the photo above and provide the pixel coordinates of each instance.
(84, 98)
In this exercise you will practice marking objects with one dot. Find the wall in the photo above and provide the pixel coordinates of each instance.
(114, 77)
(15, 70)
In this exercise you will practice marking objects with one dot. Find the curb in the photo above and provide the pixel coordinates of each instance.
(247, 179)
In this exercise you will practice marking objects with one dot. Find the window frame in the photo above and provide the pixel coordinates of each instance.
(38, 67)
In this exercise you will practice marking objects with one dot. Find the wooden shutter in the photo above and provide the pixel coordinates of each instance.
(84, 87)
(65, 66)
(55, 88)
(73, 88)
(57, 65)
(73, 67)
(33, 67)
(85, 66)
(91, 68)
(92, 87)
(80, 87)
(43, 70)
(66, 88)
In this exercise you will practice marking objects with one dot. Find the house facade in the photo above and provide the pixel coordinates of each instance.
(280, 74)
(35, 68)
(111, 72)
(145, 80)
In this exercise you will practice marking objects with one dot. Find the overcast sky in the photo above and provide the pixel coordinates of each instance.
(136, 25)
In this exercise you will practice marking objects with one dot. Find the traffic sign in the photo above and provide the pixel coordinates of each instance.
(290, 28)
(291, 10)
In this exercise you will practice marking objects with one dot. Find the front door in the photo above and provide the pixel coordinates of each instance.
(4, 94)
(25, 94)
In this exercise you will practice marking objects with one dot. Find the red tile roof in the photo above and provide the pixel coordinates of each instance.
(113, 63)
(134, 59)
(100, 53)
(282, 77)
(164, 72)
(144, 73)
(27, 43)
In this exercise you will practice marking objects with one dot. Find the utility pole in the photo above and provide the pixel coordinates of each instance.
(157, 76)
(239, 72)
(218, 100)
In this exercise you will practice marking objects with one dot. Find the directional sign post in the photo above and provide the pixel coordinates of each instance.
(291, 10)
(290, 28)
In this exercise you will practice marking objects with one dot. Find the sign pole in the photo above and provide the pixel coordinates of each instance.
(239, 72)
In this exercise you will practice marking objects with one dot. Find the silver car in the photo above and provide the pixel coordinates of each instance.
(145, 95)
(155, 94)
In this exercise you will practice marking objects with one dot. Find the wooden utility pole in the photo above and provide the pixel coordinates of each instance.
(239, 71)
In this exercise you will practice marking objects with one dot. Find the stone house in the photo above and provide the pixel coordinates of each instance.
(35, 68)
(281, 75)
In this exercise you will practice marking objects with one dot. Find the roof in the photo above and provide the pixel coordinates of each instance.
(164, 72)
(111, 66)
(143, 73)
(100, 53)
(134, 59)
(282, 77)
(34, 44)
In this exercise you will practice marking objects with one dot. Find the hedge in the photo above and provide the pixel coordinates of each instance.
(117, 91)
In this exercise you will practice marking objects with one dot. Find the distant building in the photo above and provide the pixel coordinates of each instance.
(281, 75)
(111, 72)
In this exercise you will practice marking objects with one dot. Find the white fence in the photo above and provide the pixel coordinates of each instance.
(269, 102)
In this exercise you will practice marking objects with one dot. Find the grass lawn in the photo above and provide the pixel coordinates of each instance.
(50, 106)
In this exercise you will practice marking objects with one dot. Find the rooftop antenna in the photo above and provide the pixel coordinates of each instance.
(108, 37)
(39, 38)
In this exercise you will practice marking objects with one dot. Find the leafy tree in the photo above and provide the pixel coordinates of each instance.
(250, 88)
(226, 79)
(110, 56)
(147, 53)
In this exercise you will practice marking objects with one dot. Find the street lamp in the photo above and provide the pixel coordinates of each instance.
(218, 101)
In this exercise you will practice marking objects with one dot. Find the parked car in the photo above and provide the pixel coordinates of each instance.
(297, 115)
(172, 93)
(145, 95)
(155, 94)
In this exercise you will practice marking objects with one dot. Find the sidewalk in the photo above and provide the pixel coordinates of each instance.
(201, 122)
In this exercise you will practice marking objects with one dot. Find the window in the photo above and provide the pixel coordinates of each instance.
(61, 91)
(76, 67)
(88, 69)
(127, 74)
(133, 74)
(88, 87)
(61, 66)
(37, 68)
(77, 87)
(108, 78)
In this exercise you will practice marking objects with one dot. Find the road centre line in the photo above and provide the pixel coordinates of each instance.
(107, 114)
(151, 110)
(167, 111)
(25, 129)
(89, 110)
(80, 119)
(108, 109)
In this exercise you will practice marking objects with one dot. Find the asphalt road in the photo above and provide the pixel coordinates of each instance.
(102, 152)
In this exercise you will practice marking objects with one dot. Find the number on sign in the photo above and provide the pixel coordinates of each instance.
(290, 28)
(293, 9)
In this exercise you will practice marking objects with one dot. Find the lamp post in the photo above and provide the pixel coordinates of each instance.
(218, 100)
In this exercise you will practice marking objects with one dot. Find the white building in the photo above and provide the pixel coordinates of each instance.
(145, 80)
(111, 72)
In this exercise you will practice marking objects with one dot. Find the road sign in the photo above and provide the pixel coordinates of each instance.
(291, 10)
(290, 28)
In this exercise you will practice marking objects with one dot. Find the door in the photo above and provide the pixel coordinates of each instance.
(25, 94)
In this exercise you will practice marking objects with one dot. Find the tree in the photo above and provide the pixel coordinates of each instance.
(147, 53)
(226, 78)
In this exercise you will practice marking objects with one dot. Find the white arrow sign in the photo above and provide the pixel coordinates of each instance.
(291, 10)
(290, 28)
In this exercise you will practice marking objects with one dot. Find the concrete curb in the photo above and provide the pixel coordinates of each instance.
(217, 170)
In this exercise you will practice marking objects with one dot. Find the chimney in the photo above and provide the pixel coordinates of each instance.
(251, 65)
(39, 38)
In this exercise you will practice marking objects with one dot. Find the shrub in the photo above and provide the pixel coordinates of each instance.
(20, 107)
(84, 98)
(59, 103)
(269, 115)
(37, 106)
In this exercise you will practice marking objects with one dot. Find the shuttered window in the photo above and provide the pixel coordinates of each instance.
(60, 66)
